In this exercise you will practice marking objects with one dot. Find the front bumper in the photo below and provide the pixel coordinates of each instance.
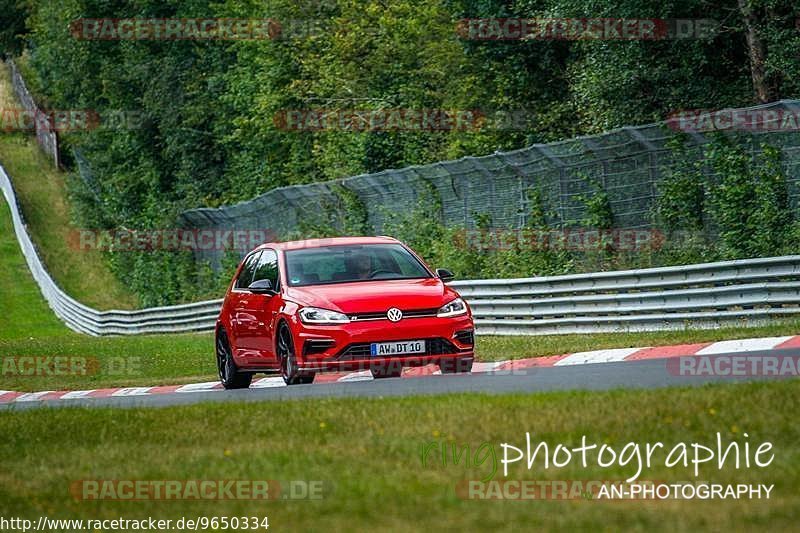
(345, 347)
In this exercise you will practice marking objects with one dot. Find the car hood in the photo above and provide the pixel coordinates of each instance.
(375, 296)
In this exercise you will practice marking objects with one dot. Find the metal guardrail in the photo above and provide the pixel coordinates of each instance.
(727, 293)
(741, 292)
(79, 317)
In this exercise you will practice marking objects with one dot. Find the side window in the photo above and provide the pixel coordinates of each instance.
(268, 268)
(245, 277)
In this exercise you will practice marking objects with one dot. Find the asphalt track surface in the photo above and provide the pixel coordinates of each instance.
(641, 374)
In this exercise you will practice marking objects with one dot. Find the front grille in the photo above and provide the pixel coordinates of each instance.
(356, 351)
(381, 315)
(416, 313)
(465, 336)
(361, 350)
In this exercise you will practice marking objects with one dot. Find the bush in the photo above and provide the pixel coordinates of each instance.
(749, 204)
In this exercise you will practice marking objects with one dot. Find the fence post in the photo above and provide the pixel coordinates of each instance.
(45, 134)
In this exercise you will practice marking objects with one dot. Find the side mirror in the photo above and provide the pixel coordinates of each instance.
(262, 286)
(444, 274)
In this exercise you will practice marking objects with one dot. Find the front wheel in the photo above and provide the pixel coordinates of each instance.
(229, 375)
(290, 372)
(456, 366)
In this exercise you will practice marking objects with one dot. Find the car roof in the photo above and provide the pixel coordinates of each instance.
(326, 241)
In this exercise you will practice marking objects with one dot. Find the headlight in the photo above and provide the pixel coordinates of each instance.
(454, 308)
(315, 315)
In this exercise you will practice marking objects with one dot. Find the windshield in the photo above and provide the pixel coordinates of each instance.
(349, 263)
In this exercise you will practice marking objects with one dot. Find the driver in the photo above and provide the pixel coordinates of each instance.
(362, 266)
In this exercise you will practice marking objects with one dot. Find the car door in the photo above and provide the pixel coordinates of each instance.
(259, 313)
(240, 319)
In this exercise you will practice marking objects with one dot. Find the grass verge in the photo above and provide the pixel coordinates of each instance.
(369, 456)
(29, 328)
(41, 193)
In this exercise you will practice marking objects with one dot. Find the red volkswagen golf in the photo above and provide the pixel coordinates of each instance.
(350, 303)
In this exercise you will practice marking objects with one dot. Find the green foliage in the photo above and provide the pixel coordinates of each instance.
(749, 205)
(681, 202)
(341, 213)
(537, 214)
(599, 214)
(727, 190)
(12, 26)
(165, 277)
(352, 211)
(599, 217)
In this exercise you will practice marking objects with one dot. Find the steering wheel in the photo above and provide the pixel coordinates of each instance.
(379, 271)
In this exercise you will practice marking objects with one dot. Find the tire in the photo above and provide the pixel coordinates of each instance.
(289, 370)
(229, 374)
(391, 370)
(462, 365)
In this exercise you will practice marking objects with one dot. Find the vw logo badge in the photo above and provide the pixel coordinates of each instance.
(394, 314)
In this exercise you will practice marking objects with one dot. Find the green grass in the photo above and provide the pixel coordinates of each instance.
(41, 193)
(369, 455)
(25, 312)
(138, 361)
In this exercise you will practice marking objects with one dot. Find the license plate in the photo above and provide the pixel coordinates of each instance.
(381, 349)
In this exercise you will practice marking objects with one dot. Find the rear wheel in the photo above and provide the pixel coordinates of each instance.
(289, 369)
(229, 374)
(456, 366)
